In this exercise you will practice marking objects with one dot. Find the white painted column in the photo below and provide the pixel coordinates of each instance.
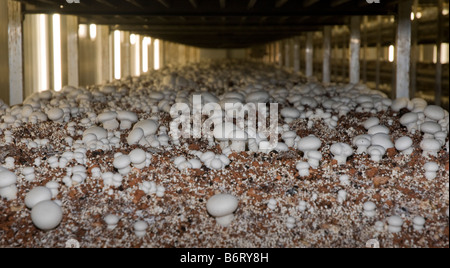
(355, 48)
(72, 51)
(438, 87)
(309, 54)
(296, 55)
(403, 48)
(15, 52)
(103, 60)
(327, 55)
(125, 58)
(287, 54)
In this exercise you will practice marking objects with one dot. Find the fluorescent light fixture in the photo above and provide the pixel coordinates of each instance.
(57, 65)
(117, 62)
(137, 55)
(83, 31)
(156, 47)
(42, 56)
(133, 38)
(412, 16)
(391, 53)
(92, 31)
(419, 15)
(146, 41)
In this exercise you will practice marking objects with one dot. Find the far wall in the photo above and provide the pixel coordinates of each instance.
(216, 54)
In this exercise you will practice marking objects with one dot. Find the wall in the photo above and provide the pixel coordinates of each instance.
(4, 72)
(215, 54)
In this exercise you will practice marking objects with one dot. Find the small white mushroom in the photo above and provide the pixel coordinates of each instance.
(112, 221)
(378, 129)
(53, 186)
(404, 145)
(376, 153)
(419, 223)
(308, 144)
(434, 112)
(37, 195)
(126, 119)
(395, 224)
(150, 127)
(371, 122)
(303, 169)
(239, 139)
(369, 209)
(342, 196)
(138, 157)
(430, 147)
(341, 152)
(431, 169)
(122, 163)
(56, 114)
(410, 120)
(290, 223)
(290, 114)
(8, 188)
(314, 158)
(140, 228)
(135, 136)
(272, 204)
(222, 207)
(46, 215)
(430, 129)
(344, 180)
(289, 138)
(362, 142)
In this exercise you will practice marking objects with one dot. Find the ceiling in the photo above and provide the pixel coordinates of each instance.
(214, 23)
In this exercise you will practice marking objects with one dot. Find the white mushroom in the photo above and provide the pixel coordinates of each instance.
(289, 138)
(430, 147)
(419, 223)
(150, 127)
(135, 136)
(126, 119)
(56, 114)
(431, 169)
(395, 224)
(362, 142)
(222, 207)
(434, 112)
(430, 129)
(290, 114)
(303, 169)
(382, 140)
(8, 188)
(404, 145)
(239, 139)
(37, 195)
(314, 158)
(46, 215)
(140, 228)
(378, 129)
(376, 152)
(137, 158)
(371, 122)
(112, 221)
(410, 120)
(341, 152)
(308, 144)
(369, 209)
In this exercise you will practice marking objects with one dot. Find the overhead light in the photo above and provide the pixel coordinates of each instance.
(57, 73)
(156, 47)
(412, 15)
(137, 52)
(42, 56)
(92, 31)
(82, 30)
(391, 53)
(117, 61)
(146, 41)
(133, 39)
(419, 15)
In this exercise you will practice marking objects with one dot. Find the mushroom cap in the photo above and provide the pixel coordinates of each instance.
(430, 145)
(431, 167)
(434, 112)
(137, 156)
(207, 156)
(234, 95)
(341, 149)
(140, 226)
(419, 220)
(376, 150)
(378, 129)
(362, 140)
(302, 165)
(107, 116)
(222, 205)
(371, 122)
(111, 219)
(258, 97)
(369, 206)
(403, 143)
(55, 114)
(430, 128)
(383, 140)
(148, 126)
(46, 215)
(37, 195)
(290, 113)
(28, 171)
(409, 118)
(314, 155)
(289, 135)
(395, 221)
(216, 164)
(238, 135)
(135, 136)
(224, 131)
(7, 178)
(99, 132)
(156, 95)
(122, 161)
(399, 104)
(310, 143)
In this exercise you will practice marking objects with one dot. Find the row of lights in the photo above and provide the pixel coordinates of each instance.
(141, 52)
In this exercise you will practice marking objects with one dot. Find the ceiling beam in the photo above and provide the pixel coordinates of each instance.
(223, 4)
(308, 3)
(280, 3)
(164, 3)
(194, 3)
(252, 4)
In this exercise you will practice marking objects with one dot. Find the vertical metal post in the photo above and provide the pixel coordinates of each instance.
(414, 51)
(403, 48)
(344, 57)
(309, 54)
(296, 56)
(72, 51)
(355, 48)
(125, 58)
(364, 38)
(15, 52)
(379, 53)
(327, 55)
(438, 88)
(103, 53)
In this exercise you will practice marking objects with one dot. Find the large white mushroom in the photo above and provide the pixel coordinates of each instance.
(222, 207)
(341, 152)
